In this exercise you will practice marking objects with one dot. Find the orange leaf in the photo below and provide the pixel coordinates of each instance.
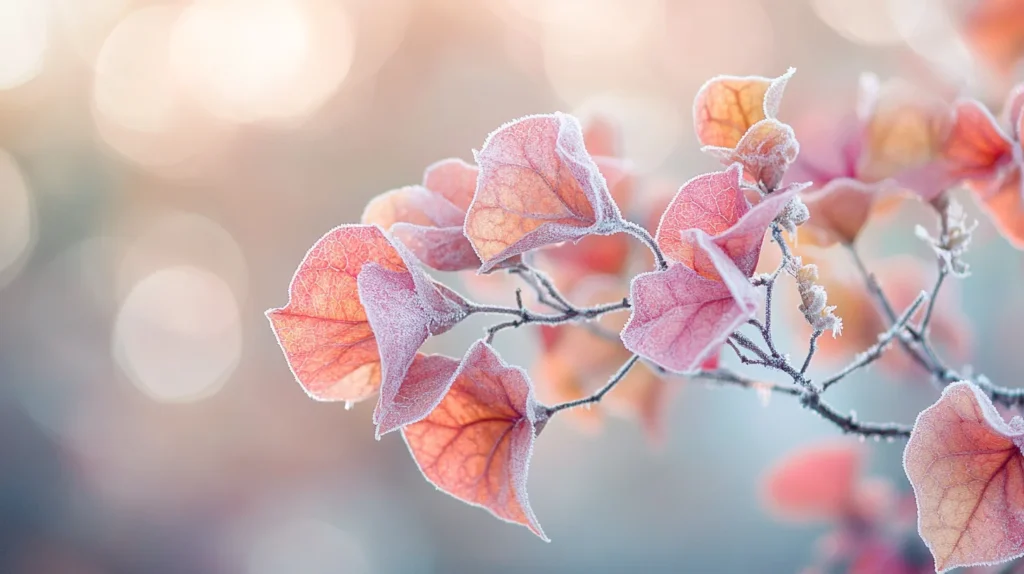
(816, 482)
(966, 466)
(765, 152)
(1006, 207)
(976, 147)
(538, 186)
(323, 329)
(995, 31)
(476, 444)
(726, 106)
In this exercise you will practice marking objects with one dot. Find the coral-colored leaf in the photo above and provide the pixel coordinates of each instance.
(680, 318)
(726, 106)
(838, 211)
(600, 254)
(537, 186)
(453, 179)
(765, 152)
(476, 444)
(995, 31)
(976, 147)
(714, 203)
(1006, 207)
(967, 469)
(428, 219)
(816, 482)
(323, 329)
(403, 309)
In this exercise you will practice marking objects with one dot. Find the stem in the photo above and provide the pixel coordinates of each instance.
(875, 351)
(644, 236)
(727, 377)
(812, 348)
(926, 320)
(597, 396)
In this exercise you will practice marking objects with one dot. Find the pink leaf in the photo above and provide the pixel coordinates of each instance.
(537, 187)
(403, 309)
(323, 330)
(714, 203)
(425, 384)
(966, 466)
(681, 318)
(476, 444)
(428, 219)
(815, 483)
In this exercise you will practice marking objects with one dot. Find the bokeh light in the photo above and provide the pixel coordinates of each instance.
(171, 238)
(139, 106)
(275, 59)
(17, 218)
(178, 334)
(24, 39)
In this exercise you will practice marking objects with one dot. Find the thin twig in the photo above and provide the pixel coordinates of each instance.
(644, 236)
(922, 328)
(812, 347)
(874, 352)
(727, 377)
(526, 316)
(597, 396)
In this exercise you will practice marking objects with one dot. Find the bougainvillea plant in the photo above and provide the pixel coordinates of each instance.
(544, 207)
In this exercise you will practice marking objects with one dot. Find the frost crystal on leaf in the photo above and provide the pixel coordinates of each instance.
(476, 445)
(966, 466)
(538, 186)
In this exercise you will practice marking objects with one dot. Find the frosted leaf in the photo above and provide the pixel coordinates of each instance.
(538, 186)
(477, 443)
(965, 464)
(680, 318)
(403, 309)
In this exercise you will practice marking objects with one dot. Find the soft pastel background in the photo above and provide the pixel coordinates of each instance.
(165, 165)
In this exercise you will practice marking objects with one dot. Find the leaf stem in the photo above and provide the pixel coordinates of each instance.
(597, 396)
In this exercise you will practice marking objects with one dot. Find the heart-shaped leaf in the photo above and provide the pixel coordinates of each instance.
(967, 469)
(680, 318)
(476, 444)
(538, 186)
(727, 106)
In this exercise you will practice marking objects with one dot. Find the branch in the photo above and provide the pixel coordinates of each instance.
(874, 352)
(597, 396)
(644, 236)
(525, 316)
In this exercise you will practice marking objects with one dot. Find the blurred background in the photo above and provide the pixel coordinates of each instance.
(165, 165)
